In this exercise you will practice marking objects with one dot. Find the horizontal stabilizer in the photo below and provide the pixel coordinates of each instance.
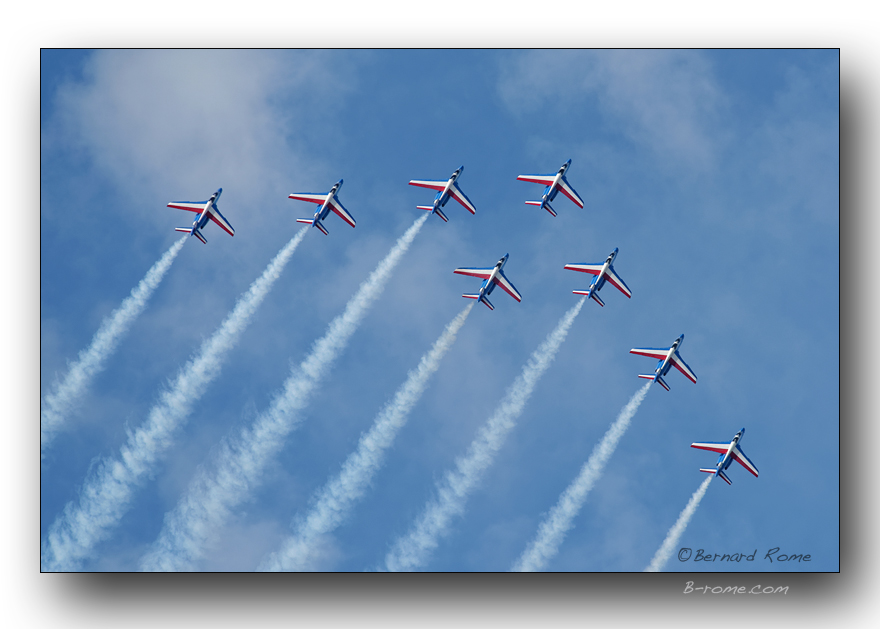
(310, 221)
(477, 296)
(425, 207)
(546, 206)
(720, 473)
(188, 230)
(307, 221)
(594, 296)
(441, 215)
(655, 378)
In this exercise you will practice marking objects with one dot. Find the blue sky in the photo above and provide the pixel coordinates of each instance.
(715, 173)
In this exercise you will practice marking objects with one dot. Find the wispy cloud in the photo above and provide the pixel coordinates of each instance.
(553, 529)
(66, 393)
(671, 541)
(209, 499)
(412, 551)
(335, 500)
(107, 492)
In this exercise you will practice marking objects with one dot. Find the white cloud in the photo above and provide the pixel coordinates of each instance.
(666, 100)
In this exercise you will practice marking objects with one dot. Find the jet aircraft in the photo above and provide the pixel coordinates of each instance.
(554, 184)
(445, 190)
(603, 272)
(491, 276)
(668, 357)
(326, 201)
(728, 452)
(206, 210)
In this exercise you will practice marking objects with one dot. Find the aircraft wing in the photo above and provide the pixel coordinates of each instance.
(456, 193)
(189, 206)
(218, 218)
(429, 183)
(683, 368)
(318, 198)
(713, 446)
(544, 179)
(592, 269)
(336, 206)
(743, 460)
(568, 191)
(651, 352)
(484, 273)
(509, 288)
(618, 283)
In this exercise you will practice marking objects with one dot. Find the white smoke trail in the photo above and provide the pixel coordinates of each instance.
(671, 541)
(336, 499)
(553, 529)
(61, 400)
(209, 499)
(107, 492)
(412, 551)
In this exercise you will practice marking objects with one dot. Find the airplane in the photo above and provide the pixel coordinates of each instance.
(206, 210)
(554, 184)
(603, 272)
(668, 357)
(491, 277)
(326, 201)
(728, 452)
(445, 190)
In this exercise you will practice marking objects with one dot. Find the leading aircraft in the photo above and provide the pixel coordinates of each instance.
(603, 272)
(554, 184)
(445, 190)
(206, 210)
(491, 276)
(668, 356)
(326, 201)
(728, 452)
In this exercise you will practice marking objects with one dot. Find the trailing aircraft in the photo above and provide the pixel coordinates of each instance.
(668, 357)
(603, 272)
(728, 452)
(326, 201)
(445, 190)
(491, 276)
(206, 210)
(554, 184)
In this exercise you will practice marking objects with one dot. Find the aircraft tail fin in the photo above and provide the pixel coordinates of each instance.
(655, 378)
(720, 473)
(477, 296)
(592, 295)
(311, 221)
(544, 205)
(189, 230)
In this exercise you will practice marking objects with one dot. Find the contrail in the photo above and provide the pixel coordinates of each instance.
(336, 499)
(672, 537)
(107, 491)
(412, 551)
(61, 400)
(553, 529)
(207, 504)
